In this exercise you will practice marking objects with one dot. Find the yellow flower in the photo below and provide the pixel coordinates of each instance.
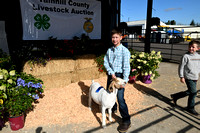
(158, 53)
(1, 76)
(5, 71)
(1, 101)
(149, 58)
(151, 78)
(150, 72)
(5, 77)
(141, 55)
(12, 73)
(145, 73)
(139, 67)
(10, 81)
(3, 87)
(153, 52)
(144, 61)
(157, 61)
(132, 56)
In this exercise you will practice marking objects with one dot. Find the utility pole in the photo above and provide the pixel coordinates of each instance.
(148, 26)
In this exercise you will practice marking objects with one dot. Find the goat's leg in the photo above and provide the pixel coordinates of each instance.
(89, 101)
(103, 110)
(110, 114)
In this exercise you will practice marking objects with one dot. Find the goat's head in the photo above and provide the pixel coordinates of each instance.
(116, 84)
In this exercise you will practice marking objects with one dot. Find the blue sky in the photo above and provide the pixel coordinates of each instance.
(182, 11)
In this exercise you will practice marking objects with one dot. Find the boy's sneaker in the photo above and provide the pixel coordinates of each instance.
(124, 127)
(173, 99)
(192, 111)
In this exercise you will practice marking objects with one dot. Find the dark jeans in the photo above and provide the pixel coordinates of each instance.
(191, 92)
(123, 109)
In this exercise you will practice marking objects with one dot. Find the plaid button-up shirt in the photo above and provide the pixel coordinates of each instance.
(117, 60)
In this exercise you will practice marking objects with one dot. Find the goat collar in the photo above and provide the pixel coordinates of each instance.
(99, 89)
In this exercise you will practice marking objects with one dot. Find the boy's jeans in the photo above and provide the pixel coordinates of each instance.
(191, 92)
(123, 109)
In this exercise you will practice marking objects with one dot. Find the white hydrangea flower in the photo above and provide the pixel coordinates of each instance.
(1, 76)
(150, 72)
(158, 53)
(10, 81)
(153, 52)
(3, 87)
(132, 56)
(12, 73)
(141, 55)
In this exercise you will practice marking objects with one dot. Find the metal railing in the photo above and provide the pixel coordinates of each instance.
(171, 44)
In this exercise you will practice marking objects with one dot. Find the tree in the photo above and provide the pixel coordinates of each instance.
(168, 22)
(171, 22)
(192, 23)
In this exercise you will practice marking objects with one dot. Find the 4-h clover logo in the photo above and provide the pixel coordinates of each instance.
(42, 21)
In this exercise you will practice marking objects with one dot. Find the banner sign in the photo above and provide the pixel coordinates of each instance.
(61, 19)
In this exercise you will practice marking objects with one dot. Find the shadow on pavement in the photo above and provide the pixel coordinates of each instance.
(151, 92)
(39, 130)
(172, 113)
(117, 117)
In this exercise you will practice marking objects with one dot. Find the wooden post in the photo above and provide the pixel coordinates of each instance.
(148, 27)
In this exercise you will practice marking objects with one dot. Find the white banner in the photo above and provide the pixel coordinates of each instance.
(61, 19)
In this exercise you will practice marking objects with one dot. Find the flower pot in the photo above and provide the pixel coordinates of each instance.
(132, 79)
(17, 122)
(146, 79)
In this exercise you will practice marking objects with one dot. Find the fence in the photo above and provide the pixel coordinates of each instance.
(172, 42)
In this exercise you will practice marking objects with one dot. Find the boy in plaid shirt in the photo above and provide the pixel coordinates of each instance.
(117, 64)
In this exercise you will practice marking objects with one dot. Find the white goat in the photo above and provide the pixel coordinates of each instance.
(105, 98)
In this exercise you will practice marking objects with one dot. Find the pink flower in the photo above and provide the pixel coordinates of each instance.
(133, 70)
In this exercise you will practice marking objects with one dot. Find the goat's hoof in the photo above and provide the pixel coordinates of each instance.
(104, 126)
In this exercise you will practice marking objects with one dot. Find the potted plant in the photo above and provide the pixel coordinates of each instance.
(146, 65)
(17, 103)
(133, 75)
(21, 90)
(100, 63)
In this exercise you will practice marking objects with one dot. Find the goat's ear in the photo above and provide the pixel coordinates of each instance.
(116, 80)
(117, 86)
(110, 88)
